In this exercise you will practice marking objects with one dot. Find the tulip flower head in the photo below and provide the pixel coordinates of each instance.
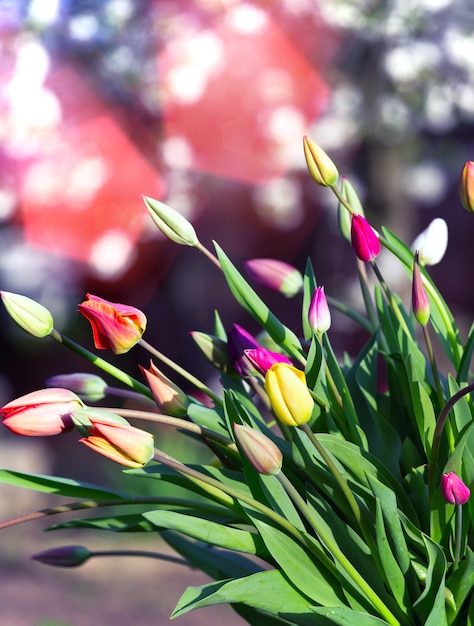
(116, 327)
(171, 223)
(419, 297)
(319, 316)
(288, 394)
(275, 275)
(432, 242)
(33, 317)
(466, 186)
(63, 556)
(364, 239)
(320, 166)
(264, 455)
(119, 442)
(41, 413)
(89, 387)
(453, 489)
(170, 399)
(263, 359)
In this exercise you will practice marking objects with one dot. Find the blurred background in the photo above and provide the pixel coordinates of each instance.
(203, 104)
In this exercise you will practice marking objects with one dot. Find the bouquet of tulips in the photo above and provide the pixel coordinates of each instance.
(337, 489)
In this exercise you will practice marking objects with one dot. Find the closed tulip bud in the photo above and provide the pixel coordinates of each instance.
(466, 186)
(432, 242)
(171, 223)
(453, 489)
(41, 413)
(320, 166)
(239, 340)
(264, 455)
(319, 316)
(63, 556)
(263, 359)
(419, 297)
(170, 399)
(119, 442)
(215, 350)
(364, 239)
(89, 387)
(28, 314)
(288, 394)
(116, 327)
(275, 275)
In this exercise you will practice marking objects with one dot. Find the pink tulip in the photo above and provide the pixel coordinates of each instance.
(262, 359)
(453, 489)
(41, 413)
(364, 240)
(319, 316)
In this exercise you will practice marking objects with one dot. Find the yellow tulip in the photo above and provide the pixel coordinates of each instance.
(288, 393)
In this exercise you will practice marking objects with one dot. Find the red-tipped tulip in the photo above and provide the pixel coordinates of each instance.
(319, 316)
(41, 413)
(466, 186)
(63, 556)
(320, 166)
(263, 359)
(170, 399)
(364, 239)
(419, 297)
(453, 489)
(288, 394)
(116, 327)
(264, 455)
(121, 443)
(275, 275)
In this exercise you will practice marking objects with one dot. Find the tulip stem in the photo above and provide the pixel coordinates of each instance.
(390, 297)
(102, 364)
(341, 481)
(177, 422)
(209, 255)
(93, 504)
(342, 200)
(440, 423)
(181, 371)
(335, 551)
(434, 369)
(457, 544)
(151, 555)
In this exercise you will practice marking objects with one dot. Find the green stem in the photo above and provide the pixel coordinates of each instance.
(390, 298)
(94, 504)
(457, 545)
(342, 200)
(176, 422)
(440, 422)
(341, 481)
(207, 253)
(349, 312)
(102, 364)
(336, 552)
(145, 553)
(181, 371)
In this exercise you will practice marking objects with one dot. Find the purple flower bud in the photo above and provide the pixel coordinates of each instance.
(239, 340)
(63, 556)
(364, 240)
(453, 489)
(319, 316)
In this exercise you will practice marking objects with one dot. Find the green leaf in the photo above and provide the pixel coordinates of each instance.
(309, 285)
(348, 617)
(462, 375)
(268, 591)
(430, 606)
(59, 486)
(209, 532)
(254, 305)
(462, 410)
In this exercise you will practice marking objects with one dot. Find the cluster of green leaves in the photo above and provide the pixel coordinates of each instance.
(310, 555)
